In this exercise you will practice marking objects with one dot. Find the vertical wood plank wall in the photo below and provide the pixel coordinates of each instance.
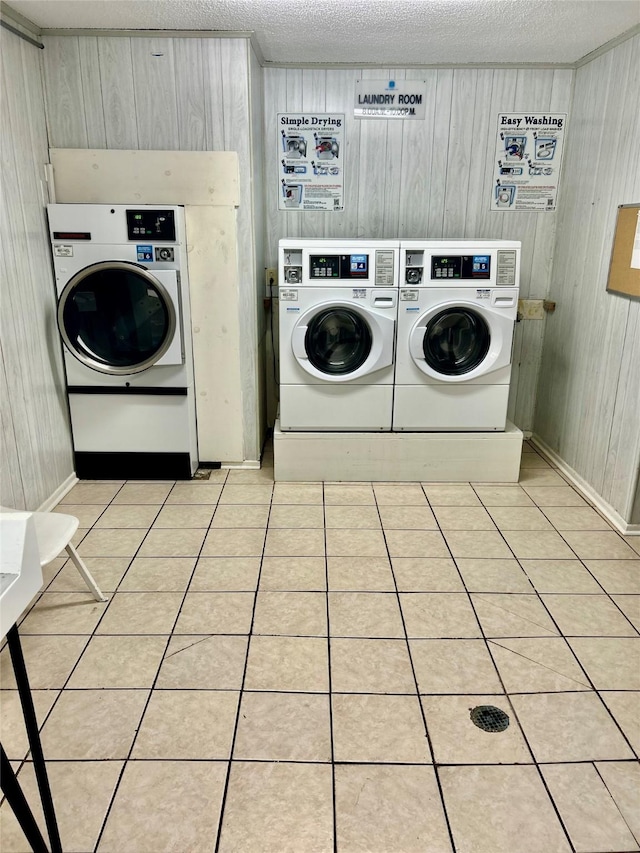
(172, 94)
(36, 438)
(588, 407)
(430, 178)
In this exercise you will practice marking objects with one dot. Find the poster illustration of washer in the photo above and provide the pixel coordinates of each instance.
(311, 161)
(527, 161)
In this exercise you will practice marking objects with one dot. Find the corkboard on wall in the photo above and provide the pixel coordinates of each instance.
(623, 277)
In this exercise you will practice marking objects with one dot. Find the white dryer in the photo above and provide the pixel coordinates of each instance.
(124, 319)
(338, 310)
(457, 309)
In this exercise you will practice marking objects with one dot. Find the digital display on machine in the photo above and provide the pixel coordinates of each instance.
(338, 266)
(460, 266)
(151, 224)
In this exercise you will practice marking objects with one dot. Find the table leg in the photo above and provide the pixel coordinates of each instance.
(20, 807)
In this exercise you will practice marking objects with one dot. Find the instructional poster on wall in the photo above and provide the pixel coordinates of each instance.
(310, 161)
(528, 160)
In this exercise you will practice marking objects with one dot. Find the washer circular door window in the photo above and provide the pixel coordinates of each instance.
(458, 341)
(116, 317)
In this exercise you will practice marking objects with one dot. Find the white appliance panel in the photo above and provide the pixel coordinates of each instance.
(337, 408)
(450, 407)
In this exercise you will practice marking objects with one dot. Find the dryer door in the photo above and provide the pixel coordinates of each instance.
(118, 318)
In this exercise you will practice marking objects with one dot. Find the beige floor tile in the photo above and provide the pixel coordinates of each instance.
(455, 739)
(172, 542)
(141, 613)
(158, 574)
(587, 809)
(408, 517)
(538, 545)
(288, 663)
(519, 518)
(399, 494)
(253, 476)
(349, 542)
(616, 576)
(119, 662)
(284, 727)
(440, 615)
(414, 574)
(128, 515)
(107, 573)
(448, 494)
(576, 518)
(488, 575)
(569, 727)
(111, 543)
(50, 573)
(295, 574)
(148, 817)
(492, 496)
(216, 476)
(537, 665)
(187, 724)
(184, 516)
(511, 811)
(454, 666)
(379, 728)
(241, 516)
(194, 662)
(463, 518)
(196, 493)
(370, 666)
(416, 543)
(630, 606)
(546, 496)
(336, 494)
(241, 542)
(625, 707)
(297, 493)
(87, 514)
(612, 663)
(143, 493)
(296, 515)
(360, 574)
(355, 517)
(287, 542)
(533, 460)
(291, 613)
(560, 576)
(226, 574)
(512, 615)
(13, 735)
(215, 613)
(599, 545)
(389, 808)
(364, 614)
(63, 613)
(633, 542)
(588, 616)
(93, 724)
(260, 494)
(472, 544)
(278, 808)
(540, 477)
(48, 659)
(623, 781)
(91, 493)
(81, 790)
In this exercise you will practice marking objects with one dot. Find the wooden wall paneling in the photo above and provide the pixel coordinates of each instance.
(92, 105)
(463, 106)
(440, 154)
(294, 219)
(337, 86)
(417, 146)
(11, 490)
(393, 178)
(482, 145)
(65, 100)
(275, 100)
(118, 98)
(372, 168)
(314, 100)
(214, 94)
(191, 94)
(154, 83)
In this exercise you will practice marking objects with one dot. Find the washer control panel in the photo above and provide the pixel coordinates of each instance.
(152, 225)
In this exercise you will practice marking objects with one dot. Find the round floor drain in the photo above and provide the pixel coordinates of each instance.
(489, 718)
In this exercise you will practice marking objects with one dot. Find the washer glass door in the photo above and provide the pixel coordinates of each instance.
(456, 341)
(116, 317)
(338, 341)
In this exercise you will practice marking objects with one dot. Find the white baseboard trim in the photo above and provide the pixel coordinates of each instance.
(59, 493)
(248, 464)
(587, 490)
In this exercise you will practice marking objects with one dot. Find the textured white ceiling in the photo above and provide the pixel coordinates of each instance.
(383, 32)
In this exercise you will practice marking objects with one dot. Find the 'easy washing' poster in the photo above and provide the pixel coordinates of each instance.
(311, 161)
(527, 162)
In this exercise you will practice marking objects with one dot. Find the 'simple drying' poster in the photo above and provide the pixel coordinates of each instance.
(311, 161)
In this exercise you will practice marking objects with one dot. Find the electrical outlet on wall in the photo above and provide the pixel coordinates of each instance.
(270, 279)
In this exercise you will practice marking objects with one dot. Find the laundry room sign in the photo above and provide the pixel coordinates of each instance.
(390, 99)
(527, 161)
(310, 161)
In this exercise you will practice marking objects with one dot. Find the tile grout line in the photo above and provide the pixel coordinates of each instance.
(635, 835)
(333, 755)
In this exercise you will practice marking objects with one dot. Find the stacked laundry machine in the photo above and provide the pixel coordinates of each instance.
(396, 335)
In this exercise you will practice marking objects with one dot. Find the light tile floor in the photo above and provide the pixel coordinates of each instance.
(291, 667)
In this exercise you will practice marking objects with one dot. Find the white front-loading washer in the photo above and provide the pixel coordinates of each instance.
(338, 303)
(124, 319)
(458, 305)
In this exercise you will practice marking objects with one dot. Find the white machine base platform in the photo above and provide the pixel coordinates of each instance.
(436, 457)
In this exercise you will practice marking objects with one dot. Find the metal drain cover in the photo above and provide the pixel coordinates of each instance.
(489, 718)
